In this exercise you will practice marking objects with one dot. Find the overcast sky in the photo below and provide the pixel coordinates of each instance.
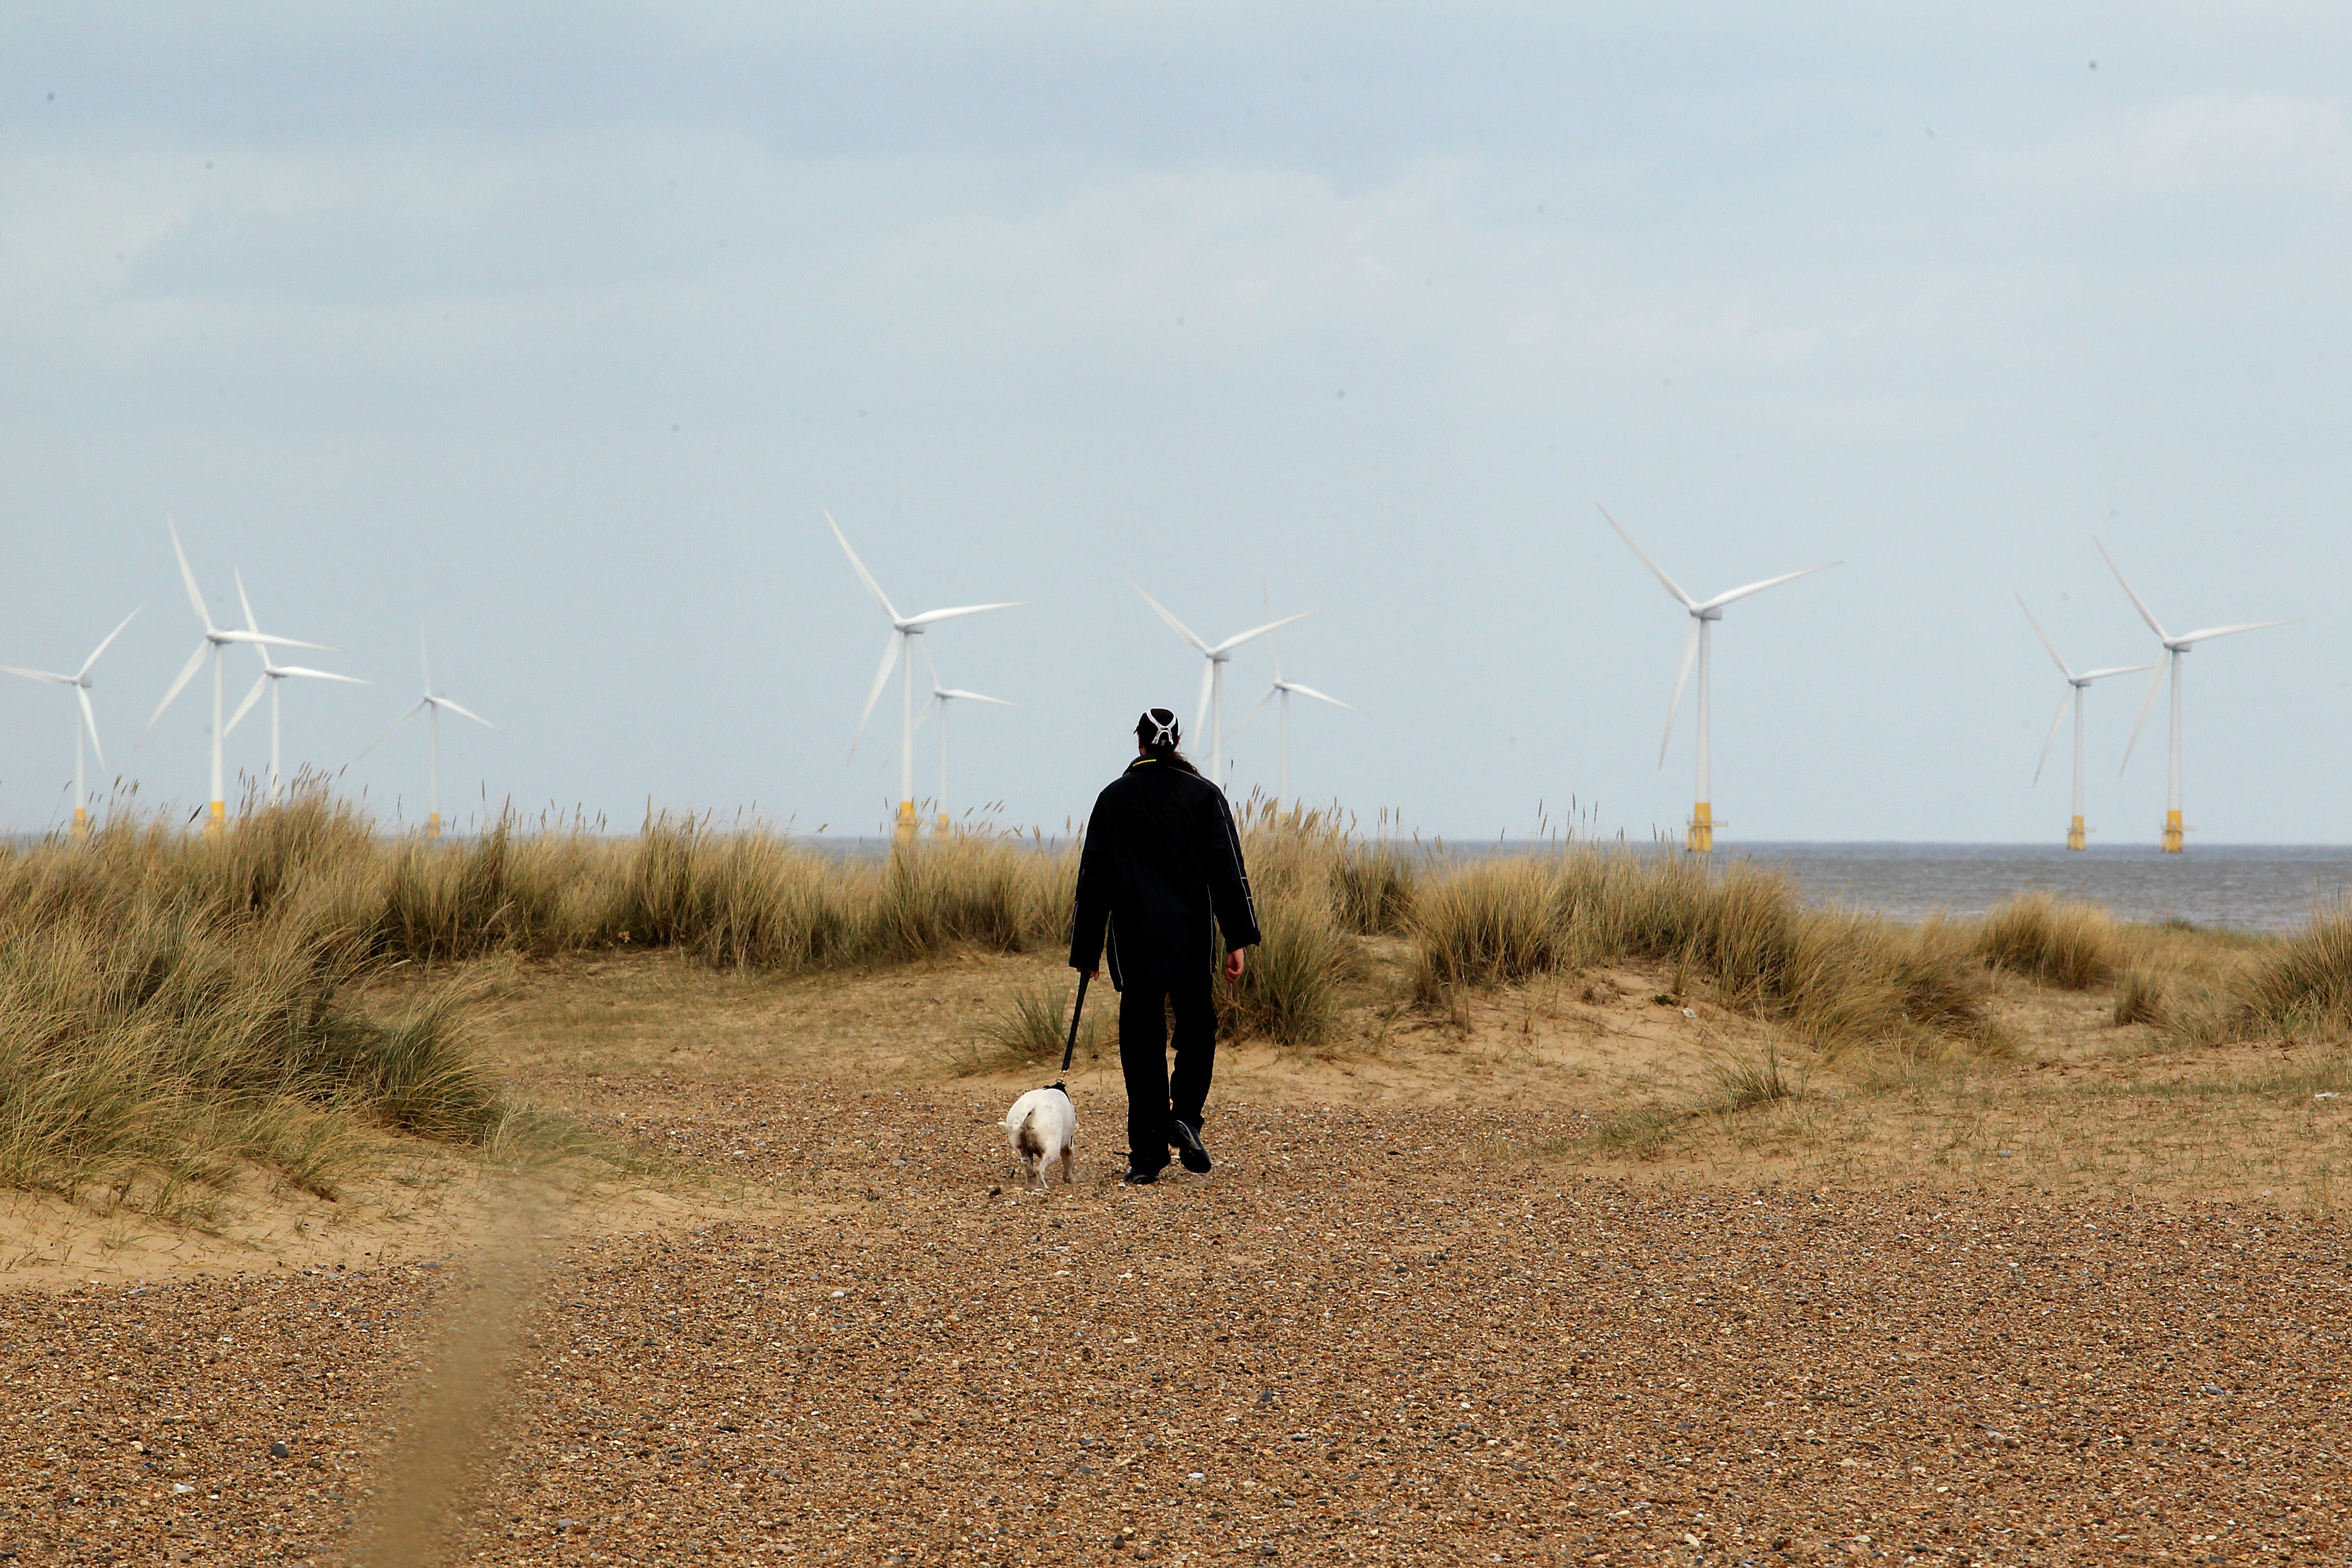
(559, 329)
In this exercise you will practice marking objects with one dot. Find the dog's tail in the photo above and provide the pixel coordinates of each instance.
(1023, 1135)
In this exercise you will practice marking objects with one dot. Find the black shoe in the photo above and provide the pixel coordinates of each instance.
(1135, 1178)
(1185, 1140)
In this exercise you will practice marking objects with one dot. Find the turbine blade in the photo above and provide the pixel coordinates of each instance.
(881, 679)
(1181, 629)
(1682, 678)
(1323, 697)
(423, 659)
(1201, 709)
(187, 673)
(972, 697)
(2155, 685)
(1722, 599)
(2210, 632)
(464, 712)
(250, 623)
(863, 574)
(923, 715)
(90, 722)
(194, 596)
(1231, 643)
(263, 640)
(1656, 569)
(2073, 695)
(2116, 669)
(317, 674)
(930, 665)
(260, 684)
(414, 710)
(927, 616)
(108, 643)
(37, 675)
(1271, 693)
(2049, 646)
(2137, 602)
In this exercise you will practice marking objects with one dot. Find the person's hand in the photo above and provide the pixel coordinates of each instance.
(1234, 966)
(1094, 975)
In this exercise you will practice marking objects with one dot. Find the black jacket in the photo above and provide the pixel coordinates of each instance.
(1161, 856)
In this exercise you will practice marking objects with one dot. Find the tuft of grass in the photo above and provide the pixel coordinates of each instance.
(174, 1011)
(2066, 944)
(2143, 998)
(1031, 1028)
(1747, 1083)
(1834, 979)
(1290, 987)
(2300, 983)
(1644, 1132)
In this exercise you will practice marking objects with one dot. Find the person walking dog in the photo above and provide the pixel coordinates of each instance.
(1163, 858)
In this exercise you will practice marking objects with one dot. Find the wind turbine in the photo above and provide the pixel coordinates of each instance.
(2174, 648)
(83, 718)
(904, 629)
(941, 697)
(216, 642)
(1703, 615)
(271, 674)
(1210, 709)
(2076, 685)
(1283, 688)
(430, 705)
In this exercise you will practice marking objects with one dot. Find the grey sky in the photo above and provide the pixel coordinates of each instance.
(558, 328)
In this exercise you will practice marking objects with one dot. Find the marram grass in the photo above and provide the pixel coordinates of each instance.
(174, 1009)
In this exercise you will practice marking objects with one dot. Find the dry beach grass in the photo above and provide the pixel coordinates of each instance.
(1587, 1207)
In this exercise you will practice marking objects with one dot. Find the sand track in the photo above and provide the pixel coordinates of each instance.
(1375, 1334)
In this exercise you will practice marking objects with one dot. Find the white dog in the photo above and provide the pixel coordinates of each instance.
(1042, 1127)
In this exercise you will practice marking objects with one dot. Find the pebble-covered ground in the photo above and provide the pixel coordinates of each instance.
(1370, 1336)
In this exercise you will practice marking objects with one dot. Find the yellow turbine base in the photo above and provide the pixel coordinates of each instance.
(1702, 829)
(2074, 835)
(944, 828)
(905, 830)
(218, 822)
(433, 825)
(81, 825)
(2172, 832)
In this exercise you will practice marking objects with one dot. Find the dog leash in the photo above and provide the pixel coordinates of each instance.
(1070, 1050)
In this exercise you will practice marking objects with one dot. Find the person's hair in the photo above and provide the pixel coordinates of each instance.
(1158, 732)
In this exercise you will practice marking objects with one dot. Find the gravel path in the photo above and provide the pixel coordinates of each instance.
(1376, 1337)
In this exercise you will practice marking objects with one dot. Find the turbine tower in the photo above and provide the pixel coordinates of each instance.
(2174, 647)
(216, 642)
(2076, 685)
(272, 673)
(84, 719)
(1283, 688)
(941, 696)
(904, 629)
(430, 705)
(1703, 615)
(1210, 709)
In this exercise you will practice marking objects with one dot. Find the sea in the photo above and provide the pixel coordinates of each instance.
(2246, 887)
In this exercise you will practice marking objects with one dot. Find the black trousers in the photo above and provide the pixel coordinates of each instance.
(1152, 1093)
